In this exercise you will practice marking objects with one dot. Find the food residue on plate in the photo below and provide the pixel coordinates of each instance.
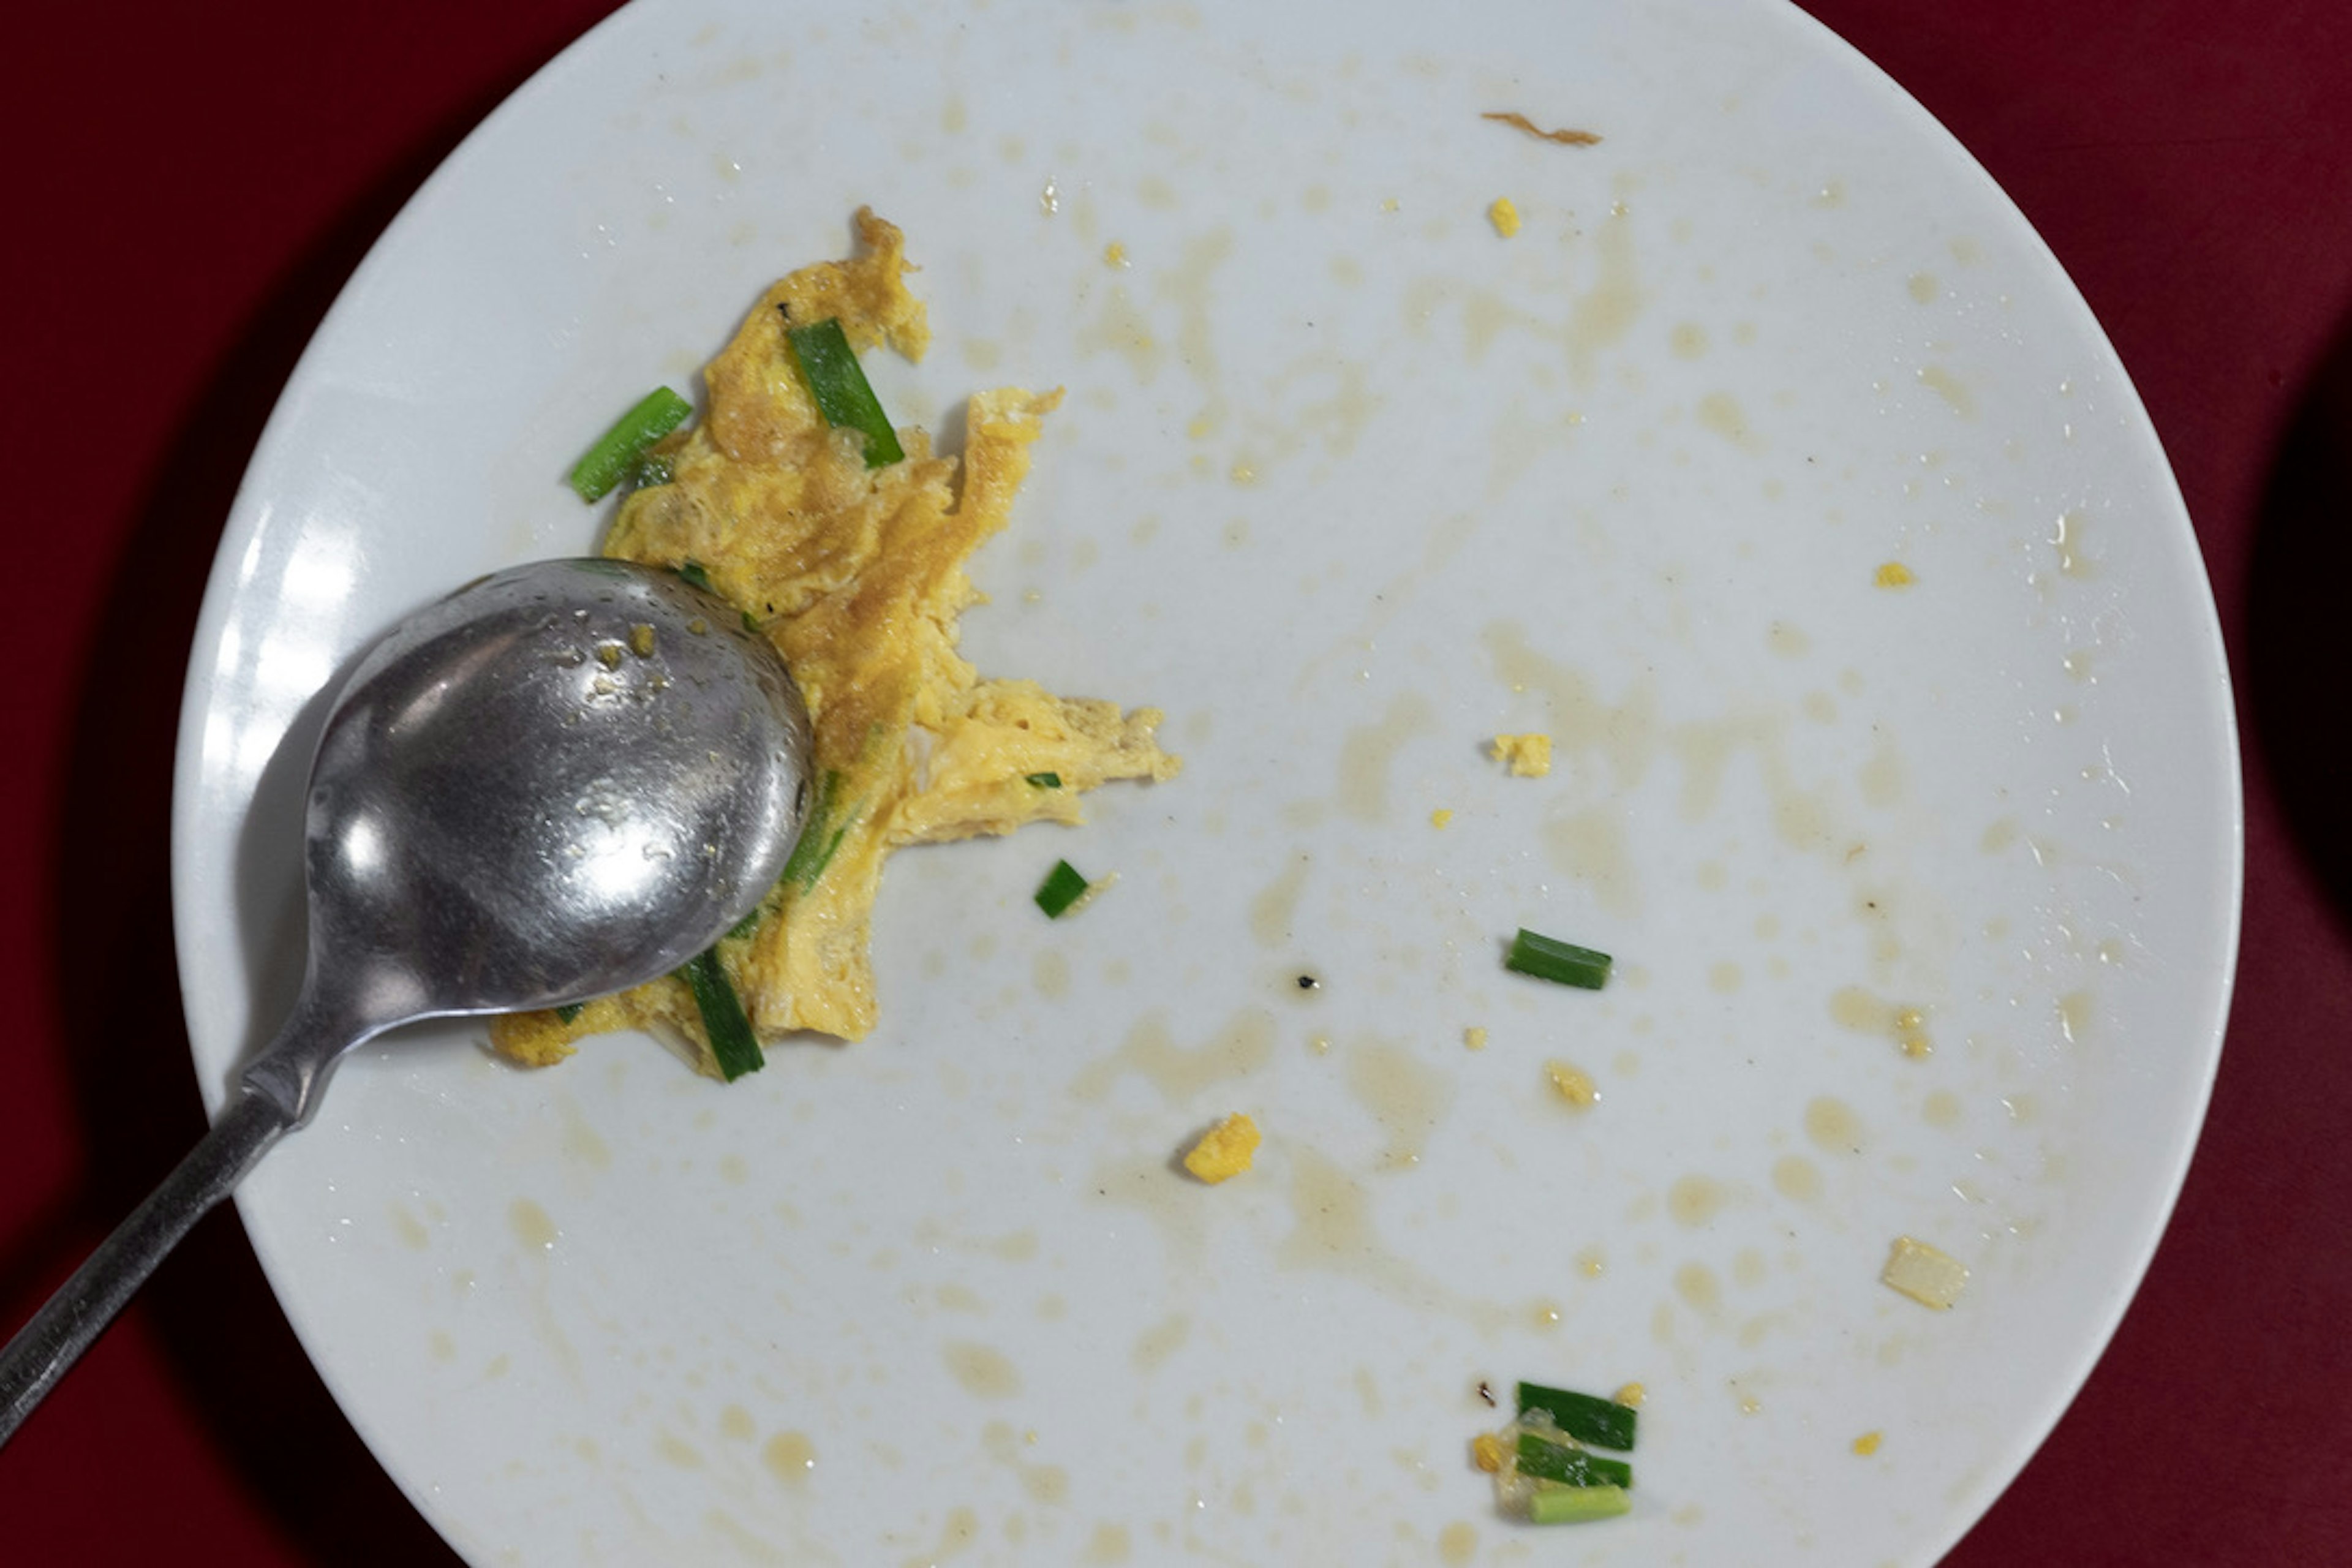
(1545, 1468)
(1564, 136)
(1895, 575)
(1505, 216)
(1224, 1151)
(1928, 1274)
(1528, 756)
(854, 569)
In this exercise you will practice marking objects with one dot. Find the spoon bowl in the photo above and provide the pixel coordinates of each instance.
(561, 781)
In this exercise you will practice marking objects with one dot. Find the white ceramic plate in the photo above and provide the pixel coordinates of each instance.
(1347, 483)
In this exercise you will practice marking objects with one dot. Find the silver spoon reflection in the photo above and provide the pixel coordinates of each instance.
(561, 781)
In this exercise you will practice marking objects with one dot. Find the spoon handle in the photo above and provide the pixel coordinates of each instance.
(71, 1319)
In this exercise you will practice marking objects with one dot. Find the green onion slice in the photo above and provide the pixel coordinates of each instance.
(732, 1043)
(1550, 1461)
(1587, 1418)
(842, 391)
(617, 452)
(820, 835)
(1043, 781)
(695, 572)
(569, 1011)
(1548, 958)
(1062, 887)
(1574, 1505)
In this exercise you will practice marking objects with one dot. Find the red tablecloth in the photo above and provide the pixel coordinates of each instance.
(190, 185)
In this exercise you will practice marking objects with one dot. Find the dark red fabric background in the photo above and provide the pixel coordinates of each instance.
(188, 186)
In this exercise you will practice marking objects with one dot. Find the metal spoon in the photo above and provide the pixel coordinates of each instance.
(561, 781)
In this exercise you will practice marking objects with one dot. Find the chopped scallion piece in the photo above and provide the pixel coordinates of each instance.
(1586, 1417)
(1548, 958)
(842, 394)
(695, 572)
(569, 1011)
(733, 1044)
(615, 455)
(745, 926)
(820, 835)
(1550, 1461)
(1574, 1505)
(1045, 780)
(1062, 887)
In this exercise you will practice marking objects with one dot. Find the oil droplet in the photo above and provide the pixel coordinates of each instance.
(1794, 1176)
(1724, 977)
(1179, 1072)
(1590, 845)
(410, 1229)
(1369, 752)
(679, 1452)
(1050, 972)
(1277, 904)
(1787, 640)
(1882, 776)
(1688, 341)
(1720, 413)
(1950, 388)
(1545, 1314)
(1590, 1263)
(981, 1369)
(1457, 1544)
(1923, 287)
(531, 1224)
(1409, 1099)
(2067, 535)
(1999, 836)
(1694, 1201)
(581, 1141)
(441, 1346)
(2075, 1015)
(735, 1422)
(1941, 1108)
(1162, 1340)
(962, 1529)
(1695, 1283)
(1474, 1038)
(1108, 1546)
(1833, 1126)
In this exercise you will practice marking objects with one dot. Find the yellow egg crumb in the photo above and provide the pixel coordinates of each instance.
(1115, 254)
(1631, 1395)
(1895, 575)
(1928, 1274)
(1224, 1151)
(1505, 216)
(641, 640)
(1486, 1449)
(1474, 1039)
(1528, 756)
(1866, 1445)
(1572, 1084)
(1440, 818)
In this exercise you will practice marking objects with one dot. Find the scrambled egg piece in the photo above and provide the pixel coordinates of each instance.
(1928, 1274)
(1895, 575)
(1224, 1151)
(1529, 756)
(857, 575)
(1505, 216)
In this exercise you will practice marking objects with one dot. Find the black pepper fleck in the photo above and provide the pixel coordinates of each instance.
(1308, 983)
